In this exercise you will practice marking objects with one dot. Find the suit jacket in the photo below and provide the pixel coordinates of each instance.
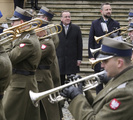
(69, 49)
(96, 30)
(114, 102)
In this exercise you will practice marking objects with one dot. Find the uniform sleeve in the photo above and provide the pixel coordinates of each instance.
(21, 51)
(118, 106)
(47, 50)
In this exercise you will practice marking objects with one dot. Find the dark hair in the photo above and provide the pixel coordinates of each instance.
(104, 4)
(63, 12)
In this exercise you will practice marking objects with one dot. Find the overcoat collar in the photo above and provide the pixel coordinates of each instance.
(126, 76)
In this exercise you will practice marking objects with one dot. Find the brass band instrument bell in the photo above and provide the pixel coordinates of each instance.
(51, 29)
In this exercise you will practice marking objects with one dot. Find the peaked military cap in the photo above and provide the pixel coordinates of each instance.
(111, 48)
(1, 14)
(130, 26)
(46, 11)
(22, 14)
(130, 15)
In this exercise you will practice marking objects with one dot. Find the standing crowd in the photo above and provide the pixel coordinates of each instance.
(39, 60)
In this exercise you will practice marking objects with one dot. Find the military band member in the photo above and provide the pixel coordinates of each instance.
(47, 14)
(5, 76)
(115, 101)
(130, 15)
(48, 111)
(25, 56)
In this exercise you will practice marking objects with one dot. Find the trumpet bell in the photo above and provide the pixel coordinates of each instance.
(33, 98)
(7, 36)
(51, 30)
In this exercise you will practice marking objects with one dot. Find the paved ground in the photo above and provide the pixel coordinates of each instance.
(67, 115)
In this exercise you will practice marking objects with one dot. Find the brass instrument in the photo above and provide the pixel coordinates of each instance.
(7, 36)
(94, 62)
(90, 83)
(93, 51)
(51, 30)
(27, 26)
(97, 39)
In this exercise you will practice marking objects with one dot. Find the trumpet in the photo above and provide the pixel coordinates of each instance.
(97, 39)
(27, 26)
(7, 37)
(90, 83)
(94, 62)
(93, 51)
(51, 30)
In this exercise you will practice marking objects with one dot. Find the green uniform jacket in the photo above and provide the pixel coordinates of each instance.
(25, 55)
(5, 76)
(55, 65)
(44, 79)
(114, 102)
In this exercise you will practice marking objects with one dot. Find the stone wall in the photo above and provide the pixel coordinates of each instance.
(7, 9)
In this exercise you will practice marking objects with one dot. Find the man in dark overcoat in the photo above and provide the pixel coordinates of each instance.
(25, 56)
(69, 50)
(98, 28)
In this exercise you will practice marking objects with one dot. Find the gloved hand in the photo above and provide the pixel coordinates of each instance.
(71, 92)
(104, 78)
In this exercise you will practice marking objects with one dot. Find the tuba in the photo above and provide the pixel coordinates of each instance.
(90, 82)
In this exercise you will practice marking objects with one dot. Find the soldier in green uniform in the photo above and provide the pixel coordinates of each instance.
(115, 101)
(5, 76)
(44, 77)
(25, 56)
(47, 14)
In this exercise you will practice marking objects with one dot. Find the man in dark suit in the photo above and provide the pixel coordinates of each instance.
(105, 24)
(69, 51)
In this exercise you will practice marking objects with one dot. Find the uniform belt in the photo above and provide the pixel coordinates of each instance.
(43, 67)
(23, 72)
